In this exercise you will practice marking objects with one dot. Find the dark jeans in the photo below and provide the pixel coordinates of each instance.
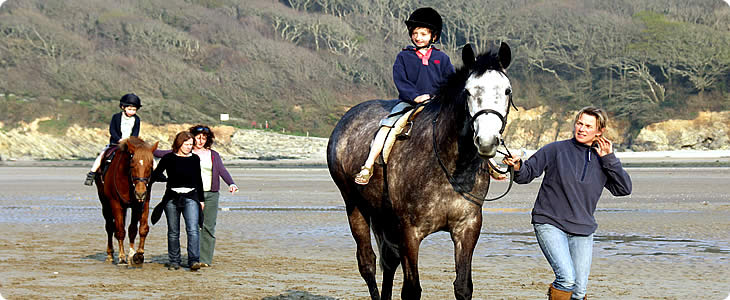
(190, 210)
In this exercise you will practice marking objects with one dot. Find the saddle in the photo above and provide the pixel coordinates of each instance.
(405, 130)
(401, 131)
(404, 124)
(107, 159)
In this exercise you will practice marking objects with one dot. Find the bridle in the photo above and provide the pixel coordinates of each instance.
(138, 179)
(487, 111)
(479, 200)
(135, 179)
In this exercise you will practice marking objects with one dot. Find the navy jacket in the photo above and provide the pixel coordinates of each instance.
(574, 178)
(413, 79)
(115, 128)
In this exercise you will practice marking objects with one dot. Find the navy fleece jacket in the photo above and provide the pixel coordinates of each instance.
(574, 178)
(413, 79)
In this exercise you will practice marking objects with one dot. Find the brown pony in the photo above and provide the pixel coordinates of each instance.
(124, 186)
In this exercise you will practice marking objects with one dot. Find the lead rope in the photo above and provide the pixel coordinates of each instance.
(479, 201)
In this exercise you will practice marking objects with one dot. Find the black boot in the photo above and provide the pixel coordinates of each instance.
(90, 178)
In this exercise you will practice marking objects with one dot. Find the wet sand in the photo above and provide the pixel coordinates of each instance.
(285, 236)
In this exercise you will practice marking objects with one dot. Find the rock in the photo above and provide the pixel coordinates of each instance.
(709, 131)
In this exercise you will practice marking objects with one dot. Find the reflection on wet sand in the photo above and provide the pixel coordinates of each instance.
(287, 232)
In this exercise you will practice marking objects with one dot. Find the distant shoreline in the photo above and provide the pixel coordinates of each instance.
(236, 163)
(659, 159)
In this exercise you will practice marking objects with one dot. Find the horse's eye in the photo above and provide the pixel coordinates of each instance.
(508, 91)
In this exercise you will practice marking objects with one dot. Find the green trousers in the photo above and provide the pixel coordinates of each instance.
(207, 231)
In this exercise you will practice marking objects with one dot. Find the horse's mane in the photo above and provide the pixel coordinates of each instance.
(450, 92)
(139, 144)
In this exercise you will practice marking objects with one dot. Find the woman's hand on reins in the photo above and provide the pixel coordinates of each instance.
(513, 161)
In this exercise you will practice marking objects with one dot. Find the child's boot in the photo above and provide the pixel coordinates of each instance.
(90, 178)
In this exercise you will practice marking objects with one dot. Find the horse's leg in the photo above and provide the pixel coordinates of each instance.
(409, 260)
(109, 244)
(465, 240)
(119, 215)
(108, 226)
(133, 231)
(144, 228)
(365, 255)
(389, 261)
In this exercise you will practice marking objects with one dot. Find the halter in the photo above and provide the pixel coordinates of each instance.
(487, 111)
(142, 179)
(478, 200)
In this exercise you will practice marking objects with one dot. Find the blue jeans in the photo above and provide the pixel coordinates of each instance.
(569, 255)
(190, 210)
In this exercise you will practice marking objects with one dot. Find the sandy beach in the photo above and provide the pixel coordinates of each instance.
(285, 236)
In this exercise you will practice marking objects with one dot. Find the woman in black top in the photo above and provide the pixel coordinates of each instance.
(184, 194)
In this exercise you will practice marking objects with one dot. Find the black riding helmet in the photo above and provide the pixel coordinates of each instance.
(426, 17)
(130, 100)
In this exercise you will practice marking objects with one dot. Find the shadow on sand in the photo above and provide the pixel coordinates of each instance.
(154, 259)
(297, 295)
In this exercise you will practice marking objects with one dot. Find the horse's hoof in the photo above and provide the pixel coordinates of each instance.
(122, 263)
(109, 260)
(138, 258)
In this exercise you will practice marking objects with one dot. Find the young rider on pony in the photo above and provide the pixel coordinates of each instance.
(123, 125)
(418, 72)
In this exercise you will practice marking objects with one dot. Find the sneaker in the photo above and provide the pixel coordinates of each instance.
(204, 265)
(195, 266)
(90, 178)
(173, 266)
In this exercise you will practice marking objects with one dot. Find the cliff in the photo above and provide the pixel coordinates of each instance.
(28, 143)
(708, 131)
(526, 129)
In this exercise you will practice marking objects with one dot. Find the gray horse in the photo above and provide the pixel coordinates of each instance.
(430, 179)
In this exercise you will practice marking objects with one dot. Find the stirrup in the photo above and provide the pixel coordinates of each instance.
(363, 177)
(405, 135)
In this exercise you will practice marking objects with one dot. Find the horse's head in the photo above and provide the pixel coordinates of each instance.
(488, 96)
(140, 165)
